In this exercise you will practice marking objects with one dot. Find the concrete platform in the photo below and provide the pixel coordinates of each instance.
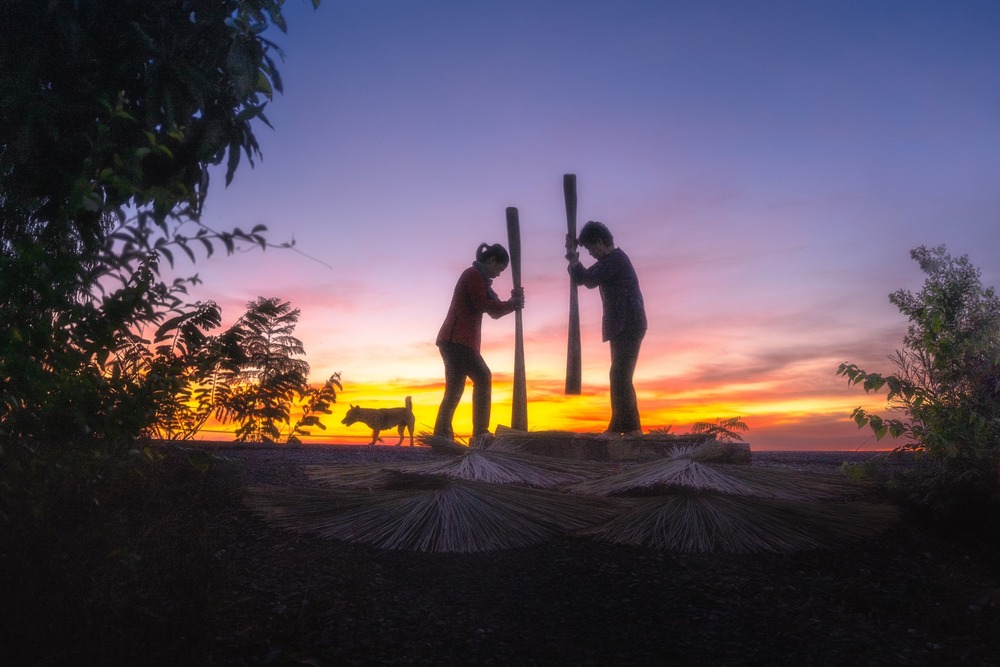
(592, 447)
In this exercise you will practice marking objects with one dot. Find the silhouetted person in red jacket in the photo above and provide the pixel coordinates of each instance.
(460, 337)
(624, 320)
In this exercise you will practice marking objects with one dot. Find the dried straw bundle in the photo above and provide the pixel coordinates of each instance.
(448, 516)
(741, 524)
(481, 465)
(682, 473)
(359, 476)
(692, 498)
(486, 465)
(442, 444)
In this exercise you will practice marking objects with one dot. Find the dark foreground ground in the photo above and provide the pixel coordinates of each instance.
(911, 596)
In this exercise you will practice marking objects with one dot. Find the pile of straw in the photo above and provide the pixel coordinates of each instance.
(686, 470)
(481, 465)
(445, 515)
(469, 500)
(741, 524)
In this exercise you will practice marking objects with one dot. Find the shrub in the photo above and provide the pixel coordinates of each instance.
(946, 387)
(111, 126)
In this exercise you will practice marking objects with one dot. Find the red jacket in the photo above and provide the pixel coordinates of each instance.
(473, 296)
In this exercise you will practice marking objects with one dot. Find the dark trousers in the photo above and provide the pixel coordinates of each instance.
(624, 408)
(461, 362)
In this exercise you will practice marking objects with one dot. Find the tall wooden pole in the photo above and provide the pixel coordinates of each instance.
(519, 405)
(573, 352)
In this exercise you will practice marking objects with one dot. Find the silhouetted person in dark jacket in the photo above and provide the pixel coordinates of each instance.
(624, 320)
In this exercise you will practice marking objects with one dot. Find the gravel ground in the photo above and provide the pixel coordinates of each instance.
(911, 596)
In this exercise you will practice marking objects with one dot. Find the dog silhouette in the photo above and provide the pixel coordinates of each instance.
(379, 419)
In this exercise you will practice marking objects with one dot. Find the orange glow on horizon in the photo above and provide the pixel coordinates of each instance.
(815, 422)
(765, 246)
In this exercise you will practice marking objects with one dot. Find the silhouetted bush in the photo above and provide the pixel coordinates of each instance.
(946, 387)
(113, 119)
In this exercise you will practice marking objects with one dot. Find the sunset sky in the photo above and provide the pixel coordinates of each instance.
(767, 166)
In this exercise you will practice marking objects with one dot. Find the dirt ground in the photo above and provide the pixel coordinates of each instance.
(910, 596)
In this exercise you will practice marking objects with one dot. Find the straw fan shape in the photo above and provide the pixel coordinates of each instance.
(482, 465)
(685, 469)
(741, 524)
(470, 500)
(467, 500)
(685, 504)
(436, 514)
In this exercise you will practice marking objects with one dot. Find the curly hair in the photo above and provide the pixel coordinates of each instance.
(595, 232)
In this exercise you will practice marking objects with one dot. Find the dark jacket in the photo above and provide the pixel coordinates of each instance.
(624, 311)
(473, 296)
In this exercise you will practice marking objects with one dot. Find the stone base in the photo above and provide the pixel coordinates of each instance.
(592, 447)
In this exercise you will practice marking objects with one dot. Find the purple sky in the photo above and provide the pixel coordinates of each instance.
(767, 166)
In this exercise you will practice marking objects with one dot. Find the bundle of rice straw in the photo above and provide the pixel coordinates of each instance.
(474, 499)
(357, 476)
(683, 472)
(447, 515)
(484, 465)
(442, 444)
(741, 524)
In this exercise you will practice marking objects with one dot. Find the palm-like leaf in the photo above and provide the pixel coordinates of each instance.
(722, 429)
(741, 524)
(446, 515)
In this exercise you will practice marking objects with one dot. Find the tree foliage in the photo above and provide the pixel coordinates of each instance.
(315, 401)
(111, 120)
(946, 385)
(268, 377)
(196, 367)
(249, 374)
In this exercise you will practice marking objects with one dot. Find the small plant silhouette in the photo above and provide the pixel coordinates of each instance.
(723, 430)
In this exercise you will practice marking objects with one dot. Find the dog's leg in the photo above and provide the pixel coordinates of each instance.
(400, 430)
(410, 426)
(375, 437)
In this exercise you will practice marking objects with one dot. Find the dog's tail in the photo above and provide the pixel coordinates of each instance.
(409, 404)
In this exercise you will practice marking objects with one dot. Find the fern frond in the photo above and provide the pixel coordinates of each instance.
(724, 429)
